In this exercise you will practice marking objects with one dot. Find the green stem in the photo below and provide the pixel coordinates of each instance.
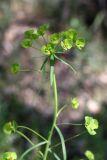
(24, 136)
(68, 139)
(54, 120)
(65, 106)
(36, 133)
(72, 124)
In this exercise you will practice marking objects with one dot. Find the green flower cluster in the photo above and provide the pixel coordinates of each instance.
(32, 35)
(57, 41)
(64, 40)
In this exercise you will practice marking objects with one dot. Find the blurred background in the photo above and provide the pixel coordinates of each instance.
(27, 97)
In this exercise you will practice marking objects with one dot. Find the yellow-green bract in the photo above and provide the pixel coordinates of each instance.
(91, 125)
(67, 44)
(80, 43)
(10, 127)
(48, 49)
(9, 156)
(89, 155)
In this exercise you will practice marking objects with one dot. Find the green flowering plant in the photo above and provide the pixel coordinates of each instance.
(52, 49)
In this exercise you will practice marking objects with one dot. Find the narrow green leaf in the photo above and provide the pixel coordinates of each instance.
(63, 143)
(31, 149)
(45, 61)
(69, 65)
(54, 154)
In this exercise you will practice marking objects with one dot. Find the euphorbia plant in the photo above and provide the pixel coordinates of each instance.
(53, 48)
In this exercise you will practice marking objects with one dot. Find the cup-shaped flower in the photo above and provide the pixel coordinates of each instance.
(67, 44)
(55, 38)
(9, 156)
(89, 155)
(48, 49)
(80, 43)
(15, 68)
(10, 127)
(91, 125)
(42, 29)
(74, 103)
(31, 34)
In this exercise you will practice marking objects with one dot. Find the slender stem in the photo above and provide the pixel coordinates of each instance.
(54, 120)
(73, 124)
(68, 139)
(44, 39)
(36, 133)
(35, 48)
(29, 70)
(24, 136)
(65, 106)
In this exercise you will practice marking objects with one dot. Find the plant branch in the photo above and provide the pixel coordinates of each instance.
(36, 133)
(54, 120)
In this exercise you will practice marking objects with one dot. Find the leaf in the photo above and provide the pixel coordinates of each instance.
(91, 124)
(26, 43)
(63, 143)
(9, 156)
(45, 61)
(31, 149)
(10, 127)
(75, 103)
(65, 63)
(15, 68)
(89, 155)
(80, 43)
